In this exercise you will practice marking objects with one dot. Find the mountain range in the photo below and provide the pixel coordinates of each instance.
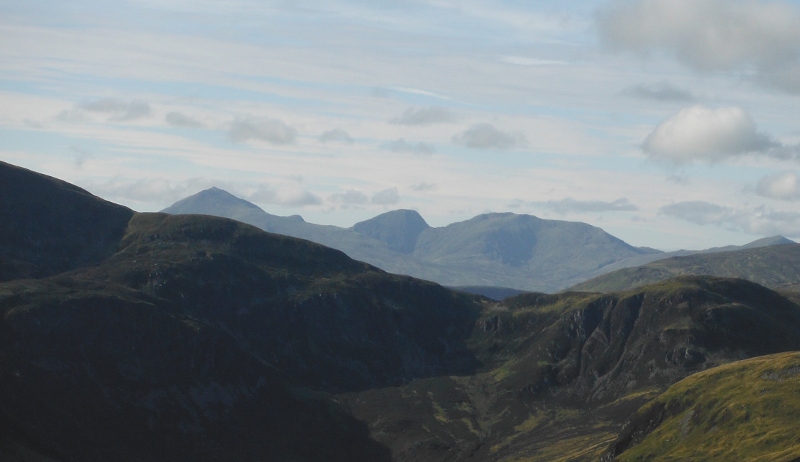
(131, 336)
(504, 250)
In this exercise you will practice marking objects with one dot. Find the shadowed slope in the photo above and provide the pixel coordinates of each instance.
(48, 226)
(93, 371)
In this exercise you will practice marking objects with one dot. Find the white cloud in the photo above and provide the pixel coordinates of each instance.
(386, 197)
(271, 130)
(487, 136)
(782, 186)
(337, 135)
(402, 145)
(758, 220)
(661, 91)
(424, 116)
(712, 35)
(176, 119)
(701, 133)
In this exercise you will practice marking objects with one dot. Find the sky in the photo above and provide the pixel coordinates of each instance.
(668, 123)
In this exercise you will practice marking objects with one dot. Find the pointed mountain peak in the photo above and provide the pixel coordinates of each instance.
(767, 241)
(212, 201)
(398, 228)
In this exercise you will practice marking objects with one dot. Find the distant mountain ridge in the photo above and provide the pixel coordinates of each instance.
(520, 252)
(773, 266)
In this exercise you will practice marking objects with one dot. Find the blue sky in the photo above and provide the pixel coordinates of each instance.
(669, 123)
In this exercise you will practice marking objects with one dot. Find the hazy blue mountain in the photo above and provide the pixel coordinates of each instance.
(774, 266)
(520, 252)
(399, 229)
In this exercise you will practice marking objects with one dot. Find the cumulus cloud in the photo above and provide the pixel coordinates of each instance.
(662, 91)
(782, 186)
(402, 145)
(271, 130)
(424, 116)
(487, 136)
(701, 133)
(119, 110)
(712, 35)
(350, 197)
(336, 135)
(758, 220)
(570, 205)
(176, 119)
(386, 197)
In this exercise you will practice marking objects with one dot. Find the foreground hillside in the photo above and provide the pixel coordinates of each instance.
(562, 373)
(742, 411)
(772, 266)
(202, 338)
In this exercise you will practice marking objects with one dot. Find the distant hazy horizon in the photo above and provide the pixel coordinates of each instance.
(655, 120)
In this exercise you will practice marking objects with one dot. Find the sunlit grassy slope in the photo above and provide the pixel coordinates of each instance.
(745, 411)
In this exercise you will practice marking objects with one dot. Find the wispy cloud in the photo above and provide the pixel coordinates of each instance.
(662, 91)
(350, 197)
(402, 145)
(266, 194)
(423, 187)
(386, 197)
(487, 136)
(271, 130)
(758, 220)
(570, 205)
(424, 116)
(336, 135)
(119, 110)
(177, 119)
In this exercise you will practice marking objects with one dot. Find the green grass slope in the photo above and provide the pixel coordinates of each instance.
(745, 411)
(772, 266)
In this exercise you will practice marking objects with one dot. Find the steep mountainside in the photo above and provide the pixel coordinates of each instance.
(773, 266)
(48, 226)
(562, 373)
